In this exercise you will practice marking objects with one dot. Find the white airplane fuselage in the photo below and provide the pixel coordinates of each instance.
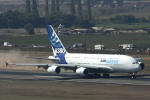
(118, 63)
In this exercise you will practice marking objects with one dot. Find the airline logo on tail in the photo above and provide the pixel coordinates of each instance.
(55, 42)
(57, 47)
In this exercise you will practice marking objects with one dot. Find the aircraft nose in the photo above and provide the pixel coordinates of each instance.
(142, 66)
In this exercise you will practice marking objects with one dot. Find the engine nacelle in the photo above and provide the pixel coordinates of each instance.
(54, 69)
(142, 65)
(82, 71)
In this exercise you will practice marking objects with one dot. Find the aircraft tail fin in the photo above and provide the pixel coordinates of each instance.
(57, 46)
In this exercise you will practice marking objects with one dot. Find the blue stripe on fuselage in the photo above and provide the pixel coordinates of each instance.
(62, 59)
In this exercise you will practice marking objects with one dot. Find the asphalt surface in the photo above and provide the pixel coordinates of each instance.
(141, 80)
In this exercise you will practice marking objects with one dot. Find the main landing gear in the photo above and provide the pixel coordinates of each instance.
(96, 75)
(133, 75)
(105, 75)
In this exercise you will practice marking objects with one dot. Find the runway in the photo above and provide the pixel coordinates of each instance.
(141, 80)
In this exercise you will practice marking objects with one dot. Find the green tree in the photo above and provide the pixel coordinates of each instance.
(13, 19)
(35, 8)
(126, 19)
(72, 7)
(108, 2)
(46, 8)
(53, 6)
(80, 9)
(29, 28)
(28, 6)
(89, 9)
(119, 2)
(57, 5)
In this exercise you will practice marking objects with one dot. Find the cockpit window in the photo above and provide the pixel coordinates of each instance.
(135, 62)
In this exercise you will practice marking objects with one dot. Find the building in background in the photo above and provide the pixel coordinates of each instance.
(99, 47)
(127, 46)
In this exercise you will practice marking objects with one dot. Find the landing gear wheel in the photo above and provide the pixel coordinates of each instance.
(106, 75)
(133, 75)
(97, 75)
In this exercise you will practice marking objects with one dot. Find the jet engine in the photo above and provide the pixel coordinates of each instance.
(82, 71)
(142, 65)
(54, 69)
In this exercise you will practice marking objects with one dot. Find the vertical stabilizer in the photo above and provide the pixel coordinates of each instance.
(57, 47)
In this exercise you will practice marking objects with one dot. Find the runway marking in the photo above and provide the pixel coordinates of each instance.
(49, 76)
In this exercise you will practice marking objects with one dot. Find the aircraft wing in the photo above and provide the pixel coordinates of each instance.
(101, 68)
(32, 64)
(49, 58)
(44, 65)
(38, 58)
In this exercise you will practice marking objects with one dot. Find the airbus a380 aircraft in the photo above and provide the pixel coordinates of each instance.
(87, 64)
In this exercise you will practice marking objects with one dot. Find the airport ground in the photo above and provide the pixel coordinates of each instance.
(28, 83)
(17, 89)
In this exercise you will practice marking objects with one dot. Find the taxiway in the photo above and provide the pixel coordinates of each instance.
(72, 77)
